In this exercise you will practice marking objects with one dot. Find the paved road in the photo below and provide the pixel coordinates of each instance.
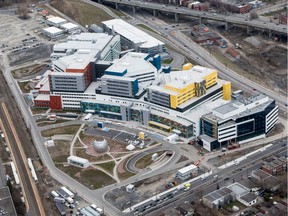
(270, 8)
(234, 173)
(237, 19)
(130, 165)
(187, 47)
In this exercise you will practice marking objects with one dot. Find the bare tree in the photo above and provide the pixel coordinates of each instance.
(22, 11)
(253, 15)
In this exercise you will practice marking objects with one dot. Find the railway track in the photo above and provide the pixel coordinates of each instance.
(21, 146)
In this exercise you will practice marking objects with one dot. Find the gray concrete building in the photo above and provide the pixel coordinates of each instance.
(73, 82)
(118, 86)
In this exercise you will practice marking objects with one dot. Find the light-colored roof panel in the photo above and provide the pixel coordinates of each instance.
(69, 25)
(132, 33)
(44, 97)
(53, 30)
(56, 20)
(135, 64)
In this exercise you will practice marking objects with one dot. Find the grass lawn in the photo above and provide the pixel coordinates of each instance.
(95, 179)
(38, 110)
(83, 13)
(72, 129)
(109, 166)
(78, 143)
(227, 62)
(167, 61)
(90, 177)
(147, 28)
(82, 153)
(69, 170)
(272, 13)
(60, 151)
(146, 160)
(234, 203)
(25, 88)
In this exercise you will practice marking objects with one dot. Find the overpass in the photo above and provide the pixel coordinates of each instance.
(229, 20)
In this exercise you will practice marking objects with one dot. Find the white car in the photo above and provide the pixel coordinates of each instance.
(186, 189)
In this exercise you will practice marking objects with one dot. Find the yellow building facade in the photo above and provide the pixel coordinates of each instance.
(191, 89)
(227, 91)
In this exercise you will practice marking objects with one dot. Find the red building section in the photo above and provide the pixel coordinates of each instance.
(276, 166)
(199, 6)
(42, 101)
(245, 8)
(55, 102)
(86, 71)
(232, 52)
(283, 18)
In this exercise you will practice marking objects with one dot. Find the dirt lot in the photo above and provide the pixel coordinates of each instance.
(28, 71)
(83, 13)
(60, 151)
(261, 59)
(144, 189)
(89, 177)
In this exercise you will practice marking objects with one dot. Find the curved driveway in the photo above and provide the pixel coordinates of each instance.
(130, 165)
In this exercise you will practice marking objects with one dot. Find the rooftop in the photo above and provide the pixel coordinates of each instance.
(249, 197)
(6, 202)
(43, 97)
(88, 37)
(69, 25)
(132, 33)
(261, 174)
(218, 194)
(238, 189)
(56, 20)
(180, 79)
(240, 107)
(187, 169)
(53, 30)
(79, 60)
(134, 63)
(79, 159)
(202, 32)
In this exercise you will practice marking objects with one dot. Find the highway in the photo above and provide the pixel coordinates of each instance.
(233, 19)
(30, 193)
(187, 47)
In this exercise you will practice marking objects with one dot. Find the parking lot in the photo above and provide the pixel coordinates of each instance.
(22, 40)
(122, 136)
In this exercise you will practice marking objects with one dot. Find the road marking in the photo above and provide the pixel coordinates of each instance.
(40, 207)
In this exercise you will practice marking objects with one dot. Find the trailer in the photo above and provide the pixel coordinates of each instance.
(68, 192)
(93, 206)
(54, 194)
(88, 116)
(59, 199)
(16, 177)
(62, 193)
(33, 173)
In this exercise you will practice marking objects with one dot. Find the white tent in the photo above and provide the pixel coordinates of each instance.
(130, 147)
